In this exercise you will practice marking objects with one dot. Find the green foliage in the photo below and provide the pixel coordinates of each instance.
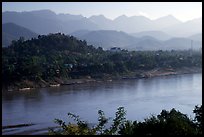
(50, 56)
(198, 118)
(81, 127)
(167, 123)
(100, 128)
(117, 121)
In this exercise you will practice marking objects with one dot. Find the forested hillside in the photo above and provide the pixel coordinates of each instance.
(64, 57)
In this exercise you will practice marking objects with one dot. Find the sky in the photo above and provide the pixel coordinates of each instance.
(183, 11)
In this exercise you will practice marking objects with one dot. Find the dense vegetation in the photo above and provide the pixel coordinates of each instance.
(65, 57)
(167, 123)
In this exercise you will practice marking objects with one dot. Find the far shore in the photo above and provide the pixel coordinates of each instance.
(131, 75)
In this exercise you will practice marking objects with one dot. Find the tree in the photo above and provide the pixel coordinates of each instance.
(166, 123)
(198, 118)
(81, 127)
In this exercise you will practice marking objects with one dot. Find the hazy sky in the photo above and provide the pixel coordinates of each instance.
(181, 10)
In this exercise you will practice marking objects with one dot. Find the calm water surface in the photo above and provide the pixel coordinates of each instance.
(140, 98)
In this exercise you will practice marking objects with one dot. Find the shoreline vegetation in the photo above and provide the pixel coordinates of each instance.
(28, 85)
(57, 59)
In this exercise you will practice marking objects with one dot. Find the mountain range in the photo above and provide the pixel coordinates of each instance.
(133, 33)
(47, 21)
(110, 38)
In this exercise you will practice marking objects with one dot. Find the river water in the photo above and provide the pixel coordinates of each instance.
(139, 97)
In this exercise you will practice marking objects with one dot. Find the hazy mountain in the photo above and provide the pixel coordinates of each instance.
(48, 14)
(11, 31)
(82, 24)
(148, 38)
(102, 22)
(79, 33)
(107, 38)
(186, 29)
(146, 43)
(156, 34)
(196, 37)
(68, 17)
(41, 22)
(166, 21)
(181, 43)
(171, 44)
(100, 31)
(46, 21)
(133, 24)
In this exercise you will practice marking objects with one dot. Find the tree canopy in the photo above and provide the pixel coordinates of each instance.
(63, 56)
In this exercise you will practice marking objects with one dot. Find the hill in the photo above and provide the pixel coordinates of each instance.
(181, 44)
(11, 31)
(110, 38)
(56, 58)
(185, 29)
(107, 38)
(156, 34)
(196, 37)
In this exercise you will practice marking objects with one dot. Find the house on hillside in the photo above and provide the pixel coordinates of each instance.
(115, 49)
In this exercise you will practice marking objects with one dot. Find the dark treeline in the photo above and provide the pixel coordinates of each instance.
(61, 56)
(167, 123)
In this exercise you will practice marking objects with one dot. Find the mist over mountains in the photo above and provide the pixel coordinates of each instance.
(135, 32)
(110, 38)
(11, 31)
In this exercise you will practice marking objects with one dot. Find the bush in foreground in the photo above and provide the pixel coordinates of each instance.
(170, 122)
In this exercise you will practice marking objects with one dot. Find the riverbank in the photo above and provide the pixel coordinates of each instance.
(27, 85)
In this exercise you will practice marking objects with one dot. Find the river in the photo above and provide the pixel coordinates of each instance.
(139, 97)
